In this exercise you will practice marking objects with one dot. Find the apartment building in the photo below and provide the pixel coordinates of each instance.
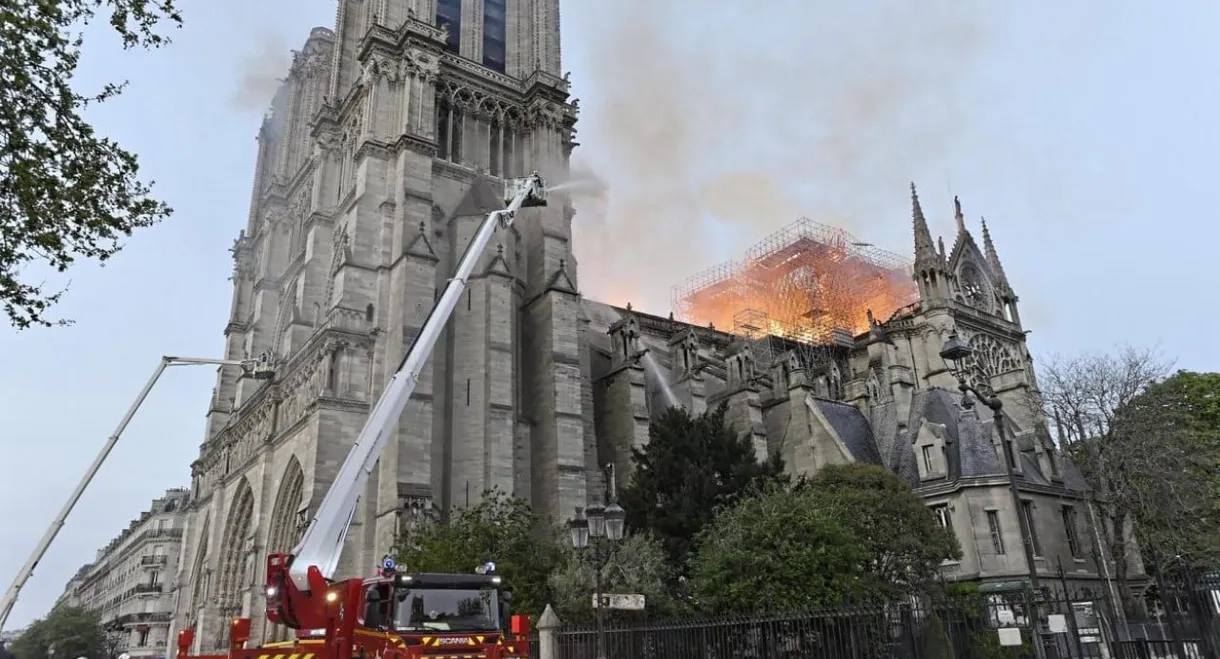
(129, 583)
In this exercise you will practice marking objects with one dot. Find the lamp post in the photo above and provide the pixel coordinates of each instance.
(258, 369)
(605, 524)
(955, 352)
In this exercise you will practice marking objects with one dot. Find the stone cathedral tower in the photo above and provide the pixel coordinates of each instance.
(381, 155)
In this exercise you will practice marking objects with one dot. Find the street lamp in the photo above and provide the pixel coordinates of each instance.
(956, 354)
(608, 522)
(262, 368)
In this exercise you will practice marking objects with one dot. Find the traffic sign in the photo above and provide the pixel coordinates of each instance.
(619, 602)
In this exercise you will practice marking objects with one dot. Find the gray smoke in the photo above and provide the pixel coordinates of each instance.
(261, 73)
(713, 124)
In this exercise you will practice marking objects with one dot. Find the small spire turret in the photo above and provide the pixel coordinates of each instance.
(993, 260)
(923, 236)
(931, 271)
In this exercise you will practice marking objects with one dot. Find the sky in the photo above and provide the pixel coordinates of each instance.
(1086, 138)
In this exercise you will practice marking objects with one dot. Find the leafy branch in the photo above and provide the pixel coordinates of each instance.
(65, 192)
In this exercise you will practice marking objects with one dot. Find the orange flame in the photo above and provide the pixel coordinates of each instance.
(803, 291)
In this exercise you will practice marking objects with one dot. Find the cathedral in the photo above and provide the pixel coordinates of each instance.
(384, 149)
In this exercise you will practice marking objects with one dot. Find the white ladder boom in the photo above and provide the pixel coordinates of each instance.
(323, 539)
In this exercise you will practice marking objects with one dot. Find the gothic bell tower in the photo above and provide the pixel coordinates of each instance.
(965, 290)
(435, 103)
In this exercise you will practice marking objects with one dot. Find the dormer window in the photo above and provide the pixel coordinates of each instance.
(931, 453)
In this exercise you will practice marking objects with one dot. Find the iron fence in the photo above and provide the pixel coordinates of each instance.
(986, 626)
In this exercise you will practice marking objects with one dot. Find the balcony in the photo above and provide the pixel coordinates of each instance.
(147, 589)
(154, 561)
(143, 618)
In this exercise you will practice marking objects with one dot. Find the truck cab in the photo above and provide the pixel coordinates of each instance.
(435, 614)
(430, 604)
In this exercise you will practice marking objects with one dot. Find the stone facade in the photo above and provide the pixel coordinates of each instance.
(384, 150)
(132, 581)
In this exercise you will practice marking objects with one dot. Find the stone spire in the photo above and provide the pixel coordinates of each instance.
(925, 249)
(993, 260)
(931, 271)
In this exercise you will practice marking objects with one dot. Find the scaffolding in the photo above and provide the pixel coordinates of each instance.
(801, 283)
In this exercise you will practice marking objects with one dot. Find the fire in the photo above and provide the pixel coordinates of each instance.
(801, 283)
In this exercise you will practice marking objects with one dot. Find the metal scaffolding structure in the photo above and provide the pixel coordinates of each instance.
(801, 283)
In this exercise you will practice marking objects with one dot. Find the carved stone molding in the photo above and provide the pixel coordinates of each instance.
(243, 257)
(314, 59)
(301, 391)
(413, 64)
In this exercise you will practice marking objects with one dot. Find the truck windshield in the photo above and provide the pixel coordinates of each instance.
(445, 609)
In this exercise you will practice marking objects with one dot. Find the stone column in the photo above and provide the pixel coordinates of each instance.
(548, 634)
(741, 393)
(687, 372)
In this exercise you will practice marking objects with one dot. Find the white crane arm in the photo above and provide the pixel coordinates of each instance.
(259, 369)
(322, 542)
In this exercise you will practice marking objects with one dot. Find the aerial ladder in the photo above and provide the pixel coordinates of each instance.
(394, 614)
(258, 369)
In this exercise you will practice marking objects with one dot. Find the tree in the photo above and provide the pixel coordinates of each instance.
(936, 641)
(65, 192)
(902, 537)
(1182, 412)
(499, 529)
(73, 631)
(970, 610)
(638, 565)
(691, 465)
(1135, 437)
(775, 551)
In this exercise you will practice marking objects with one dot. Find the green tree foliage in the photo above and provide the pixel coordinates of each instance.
(892, 523)
(636, 565)
(499, 529)
(1181, 414)
(1130, 452)
(74, 632)
(1200, 395)
(936, 644)
(1148, 444)
(980, 641)
(775, 551)
(65, 192)
(691, 465)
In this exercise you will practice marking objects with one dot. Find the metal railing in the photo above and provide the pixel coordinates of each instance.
(146, 589)
(981, 626)
(138, 618)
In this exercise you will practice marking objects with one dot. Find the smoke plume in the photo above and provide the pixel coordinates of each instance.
(260, 74)
(713, 124)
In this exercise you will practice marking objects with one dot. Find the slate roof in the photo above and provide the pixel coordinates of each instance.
(968, 436)
(874, 436)
(853, 429)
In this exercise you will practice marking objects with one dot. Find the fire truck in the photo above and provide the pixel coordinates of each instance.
(396, 614)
